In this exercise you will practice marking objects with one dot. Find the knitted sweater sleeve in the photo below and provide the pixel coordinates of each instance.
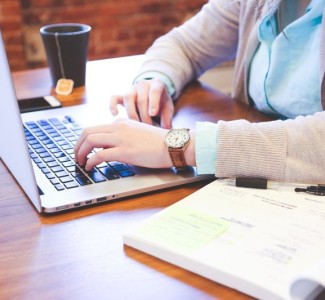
(291, 150)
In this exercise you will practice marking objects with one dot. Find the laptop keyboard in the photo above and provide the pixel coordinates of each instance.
(51, 146)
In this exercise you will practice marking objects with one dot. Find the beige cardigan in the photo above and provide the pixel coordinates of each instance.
(291, 150)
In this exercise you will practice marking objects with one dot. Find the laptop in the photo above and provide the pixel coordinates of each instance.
(37, 148)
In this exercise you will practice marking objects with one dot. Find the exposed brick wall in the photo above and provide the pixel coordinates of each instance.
(119, 27)
(10, 25)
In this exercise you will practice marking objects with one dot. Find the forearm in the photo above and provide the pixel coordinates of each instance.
(291, 150)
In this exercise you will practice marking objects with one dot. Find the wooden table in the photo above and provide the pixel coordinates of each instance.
(80, 254)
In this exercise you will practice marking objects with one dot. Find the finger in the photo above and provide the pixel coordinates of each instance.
(167, 112)
(110, 154)
(142, 100)
(79, 143)
(129, 102)
(114, 101)
(86, 133)
(155, 97)
(81, 139)
(96, 140)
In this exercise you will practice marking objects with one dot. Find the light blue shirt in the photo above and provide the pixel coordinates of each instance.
(283, 62)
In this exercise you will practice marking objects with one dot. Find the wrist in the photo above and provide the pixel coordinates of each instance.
(190, 151)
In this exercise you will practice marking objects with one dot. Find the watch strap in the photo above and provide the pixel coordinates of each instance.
(178, 158)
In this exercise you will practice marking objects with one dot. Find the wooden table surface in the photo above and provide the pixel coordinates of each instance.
(80, 254)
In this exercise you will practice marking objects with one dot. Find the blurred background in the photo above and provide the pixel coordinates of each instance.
(119, 28)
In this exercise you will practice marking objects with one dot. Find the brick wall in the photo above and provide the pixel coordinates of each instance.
(11, 25)
(119, 27)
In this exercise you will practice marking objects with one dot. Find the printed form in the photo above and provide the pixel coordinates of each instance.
(270, 240)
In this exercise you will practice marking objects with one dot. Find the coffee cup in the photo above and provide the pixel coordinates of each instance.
(66, 47)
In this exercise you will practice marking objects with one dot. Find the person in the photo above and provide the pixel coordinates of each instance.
(279, 52)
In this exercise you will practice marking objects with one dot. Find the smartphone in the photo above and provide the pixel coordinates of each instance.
(38, 103)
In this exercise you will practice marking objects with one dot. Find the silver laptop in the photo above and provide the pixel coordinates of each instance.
(37, 148)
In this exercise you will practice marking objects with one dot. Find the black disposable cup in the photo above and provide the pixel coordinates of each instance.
(66, 47)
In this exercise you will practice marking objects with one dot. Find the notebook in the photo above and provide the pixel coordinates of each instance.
(37, 148)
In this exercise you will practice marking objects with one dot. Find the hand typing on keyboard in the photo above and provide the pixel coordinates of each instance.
(126, 141)
(51, 147)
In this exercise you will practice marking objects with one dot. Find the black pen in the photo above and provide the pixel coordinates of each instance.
(255, 182)
(263, 183)
(318, 190)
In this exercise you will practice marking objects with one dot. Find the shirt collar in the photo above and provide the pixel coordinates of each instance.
(313, 15)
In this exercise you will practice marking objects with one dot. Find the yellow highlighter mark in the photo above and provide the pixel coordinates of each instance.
(182, 228)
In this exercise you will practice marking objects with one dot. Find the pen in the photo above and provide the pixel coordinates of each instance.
(263, 183)
(318, 190)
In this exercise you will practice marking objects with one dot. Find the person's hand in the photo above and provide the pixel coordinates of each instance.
(126, 141)
(144, 101)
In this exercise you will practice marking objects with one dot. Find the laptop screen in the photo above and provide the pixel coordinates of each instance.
(14, 149)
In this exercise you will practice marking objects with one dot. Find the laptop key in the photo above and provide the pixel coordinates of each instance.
(50, 145)
(61, 174)
(57, 168)
(126, 173)
(50, 176)
(68, 163)
(96, 176)
(44, 154)
(59, 187)
(34, 156)
(55, 181)
(71, 184)
(120, 167)
(40, 150)
(59, 154)
(45, 170)
(83, 180)
(53, 164)
(66, 179)
(55, 150)
(36, 159)
(36, 146)
(48, 159)
(55, 121)
(109, 173)
(41, 165)
(63, 159)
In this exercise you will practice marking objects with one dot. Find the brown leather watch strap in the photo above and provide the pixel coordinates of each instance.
(177, 156)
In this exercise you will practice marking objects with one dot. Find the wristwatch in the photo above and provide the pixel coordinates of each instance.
(176, 141)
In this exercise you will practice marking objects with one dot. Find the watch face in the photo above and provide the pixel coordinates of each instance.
(177, 138)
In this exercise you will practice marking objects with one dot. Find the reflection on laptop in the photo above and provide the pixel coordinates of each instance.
(37, 148)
